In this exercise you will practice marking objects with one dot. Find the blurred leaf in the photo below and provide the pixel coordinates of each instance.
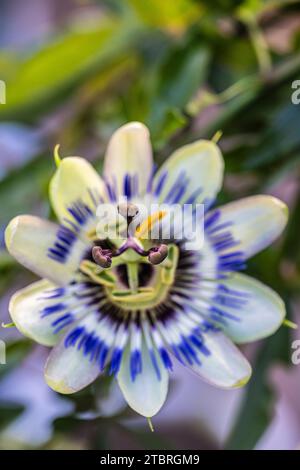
(15, 353)
(8, 64)
(6, 261)
(249, 7)
(281, 137)
(178, 79)
(220, 6)
(7, 271)
(171, 14)
(291, 246)
(58, 67)
(233, 61)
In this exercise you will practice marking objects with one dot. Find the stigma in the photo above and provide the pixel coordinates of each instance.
(103, 256)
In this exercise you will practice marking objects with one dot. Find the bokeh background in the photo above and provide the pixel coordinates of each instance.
(77, 69)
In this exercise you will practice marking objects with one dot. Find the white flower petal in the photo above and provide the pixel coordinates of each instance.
(29, 239)
(259, 316)
(74, 180)
(256, 222)
(146, 394)
(129, 153)
(225, 366)
(195, 170)
(68, 369)
(25, 310)
(208, 262)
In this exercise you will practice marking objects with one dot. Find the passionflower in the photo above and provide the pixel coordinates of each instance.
(132, 307)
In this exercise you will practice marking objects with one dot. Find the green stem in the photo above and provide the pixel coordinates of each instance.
(253, 87)
(259, 45)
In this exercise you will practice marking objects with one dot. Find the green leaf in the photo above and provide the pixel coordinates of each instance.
(280, 138)
(174, 15)
(179, 77)
(291, 247)
(15, 353)
(53, 71)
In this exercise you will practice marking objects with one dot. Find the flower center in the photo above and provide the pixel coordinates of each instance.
(103, 256)
(136, 275)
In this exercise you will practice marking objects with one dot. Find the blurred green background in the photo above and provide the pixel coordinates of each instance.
(75, 70)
